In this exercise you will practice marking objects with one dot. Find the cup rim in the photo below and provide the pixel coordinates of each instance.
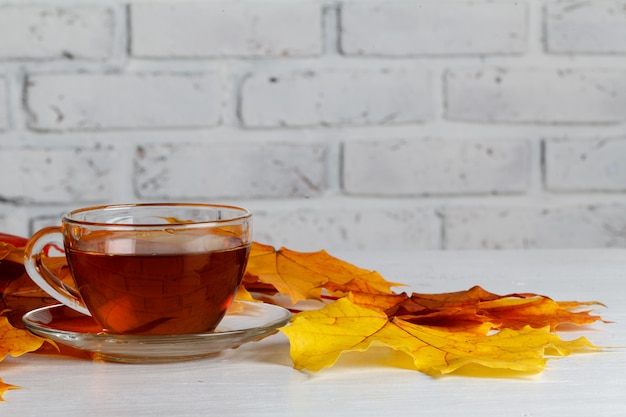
(245, 214)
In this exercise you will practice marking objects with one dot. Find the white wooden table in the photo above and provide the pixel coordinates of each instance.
(257, 379)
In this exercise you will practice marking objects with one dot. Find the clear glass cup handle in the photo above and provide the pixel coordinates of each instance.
(42, 276)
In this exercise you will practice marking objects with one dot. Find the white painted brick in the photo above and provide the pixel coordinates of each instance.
(344, 228)
(39, 222)
(535, 228)
(537, 95)
(48, 175)
(4, 105)
(586, 165)
(226, 28)
(14, 221)
(47, 32)
(4, 222)
(435, 167)
(230, 170)
(339, 97)
(131, 101)
(586, 27)
(433, 28)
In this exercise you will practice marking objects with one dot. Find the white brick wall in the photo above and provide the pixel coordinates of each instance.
(375, 227)
(593, 27)
(52, 32)
(537, 95)
(343, 124)
(51, 175)
(248, 29)
(435, 166)
(12, 222)
(570, 226)
(586, 165)
(4, 104)
(331, 98)
(433, 28)
(130, 101)
(223, 170)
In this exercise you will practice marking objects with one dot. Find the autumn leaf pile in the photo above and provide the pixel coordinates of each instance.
(357, 309)
(440, 332)
(13, 341)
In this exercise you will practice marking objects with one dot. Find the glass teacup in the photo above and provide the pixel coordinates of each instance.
(169, 268)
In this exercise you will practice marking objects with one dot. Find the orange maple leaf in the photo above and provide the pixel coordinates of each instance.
(536, 311)
(303, 276)
(477, 306)
(10, 252)
(4, 388)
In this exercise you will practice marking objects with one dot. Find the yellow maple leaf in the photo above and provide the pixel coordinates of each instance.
(16, 342)
(318, 338)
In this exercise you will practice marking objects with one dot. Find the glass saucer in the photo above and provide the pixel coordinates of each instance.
(244, 322)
